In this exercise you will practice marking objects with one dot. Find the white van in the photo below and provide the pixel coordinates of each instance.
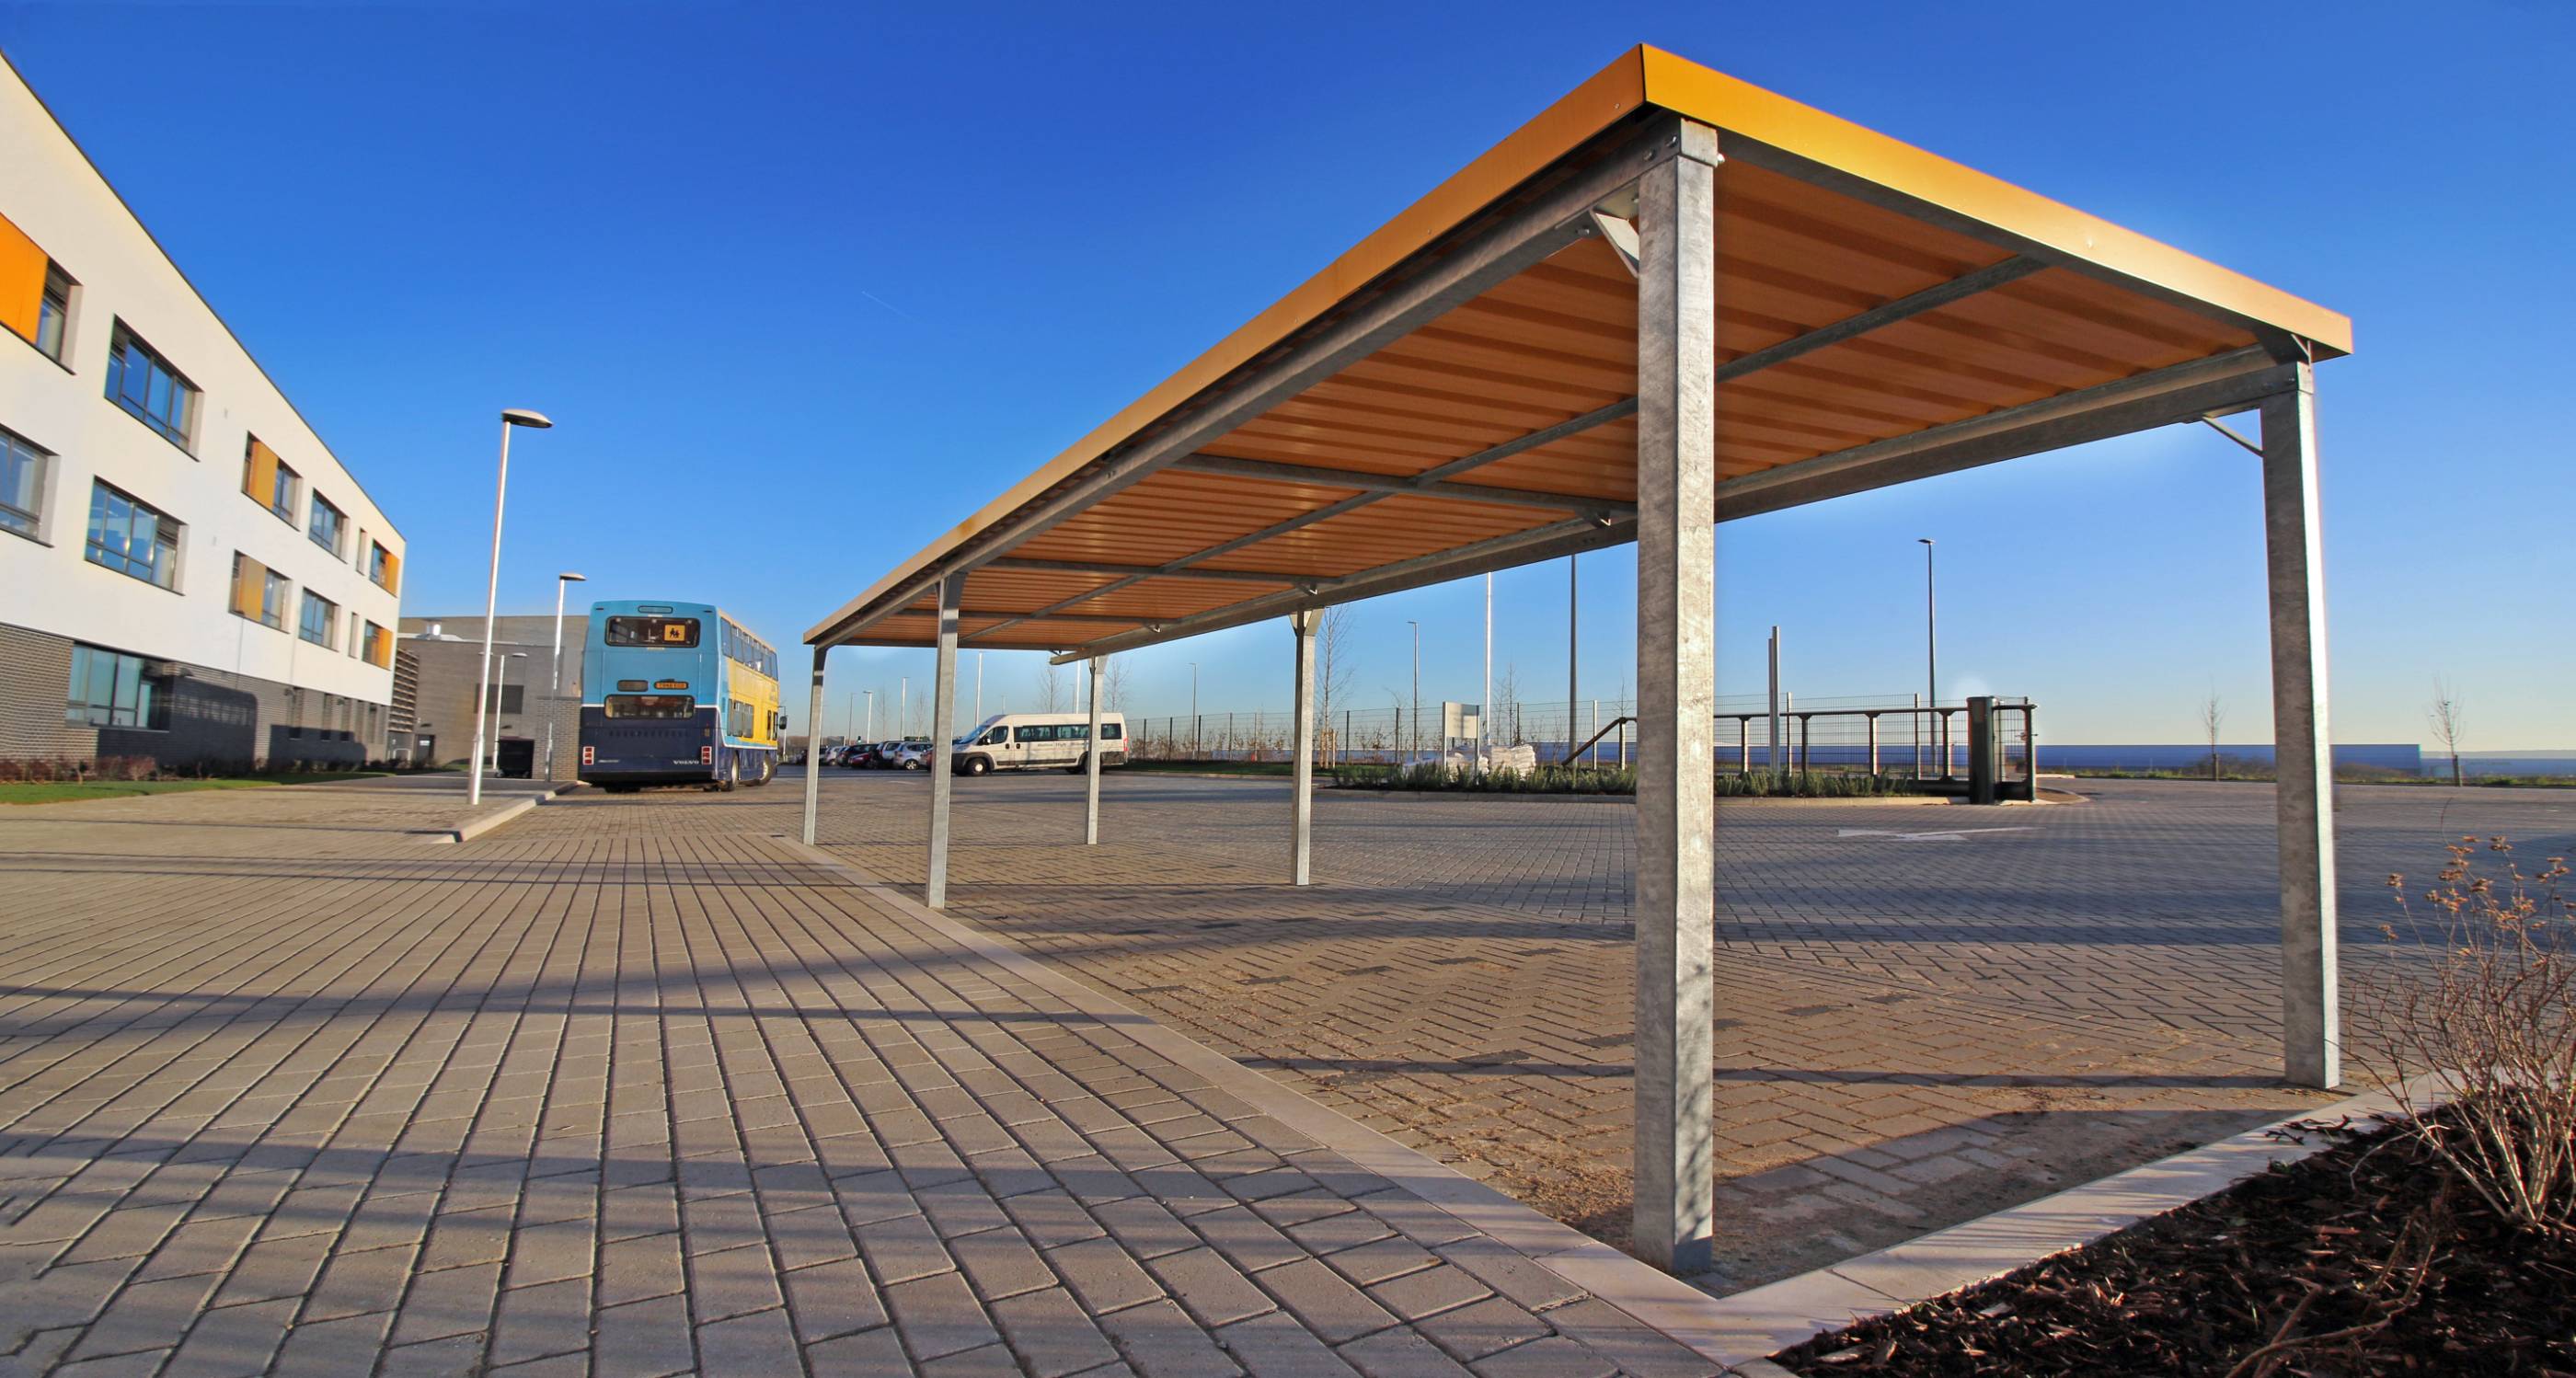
(1038, 741)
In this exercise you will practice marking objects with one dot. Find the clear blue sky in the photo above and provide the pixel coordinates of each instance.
(805, 284)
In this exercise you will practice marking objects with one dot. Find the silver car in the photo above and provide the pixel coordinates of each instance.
(910, 756)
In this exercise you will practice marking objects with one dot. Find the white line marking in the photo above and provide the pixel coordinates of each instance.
(1952, 835)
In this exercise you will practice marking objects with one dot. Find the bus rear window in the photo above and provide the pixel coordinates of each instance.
(652, 631)
(650, 705)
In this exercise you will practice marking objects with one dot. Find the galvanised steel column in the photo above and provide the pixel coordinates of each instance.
(1873, 742)
(1091, 762)
(2311, 1036)
(814, 745)
(1676, 700)
(943, 710)
(1301, 736)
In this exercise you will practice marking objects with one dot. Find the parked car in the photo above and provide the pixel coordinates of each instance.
(910, 756)
(1038, 741)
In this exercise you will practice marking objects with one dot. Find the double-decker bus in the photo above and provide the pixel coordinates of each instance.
(674, 694)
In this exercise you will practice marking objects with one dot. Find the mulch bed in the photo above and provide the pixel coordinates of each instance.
(2368, 1258)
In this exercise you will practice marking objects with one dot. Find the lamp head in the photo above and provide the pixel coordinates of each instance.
(520, 416)
(571, 578)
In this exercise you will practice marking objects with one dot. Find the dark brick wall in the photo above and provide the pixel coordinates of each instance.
(35, 678)
(217, 718)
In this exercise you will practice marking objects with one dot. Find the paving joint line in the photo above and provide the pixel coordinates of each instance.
(1661, 1302)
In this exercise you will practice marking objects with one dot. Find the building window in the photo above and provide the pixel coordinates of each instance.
(327, 525)
(321, 618)
(131, 537)
(113, 689)
(384, 567)
(259, 593)
(54, 313)
(143, 383)
(505, 700)
(379, 647)
(22, 483)
(267, 481)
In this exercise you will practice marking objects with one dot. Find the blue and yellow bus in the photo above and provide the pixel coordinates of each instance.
(674, 694)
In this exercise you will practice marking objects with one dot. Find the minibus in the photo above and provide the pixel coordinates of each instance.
(1038, 741)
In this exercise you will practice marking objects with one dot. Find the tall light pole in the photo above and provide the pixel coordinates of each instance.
(554, 671)
(979, 686)
(870, 695)
(1485, 710)
(903, 708)
(1932, 663)
(492, 587)
(1194, 709)
(1572, 644)
(1416, 749)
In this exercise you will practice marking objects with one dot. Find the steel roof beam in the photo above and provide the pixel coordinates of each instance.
(1269, 471)
(1240, 576)
(2217, 386)
(1436, 481)
(1500, 552)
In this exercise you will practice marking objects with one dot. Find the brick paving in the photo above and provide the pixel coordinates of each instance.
(632, 1088)
(1912, 1031)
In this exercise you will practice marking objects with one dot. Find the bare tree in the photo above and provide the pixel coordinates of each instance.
(1113, 684)
(1051, 687)
(1332, 676)
(2448, 712)
(1507, 703)
(2212, 713)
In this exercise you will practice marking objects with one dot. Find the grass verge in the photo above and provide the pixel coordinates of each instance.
(73, 791)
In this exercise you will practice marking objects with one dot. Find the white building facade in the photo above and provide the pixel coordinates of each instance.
(187, 573)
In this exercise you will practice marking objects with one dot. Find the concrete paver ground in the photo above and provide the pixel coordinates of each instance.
(1925, 1013)
(633, 1087)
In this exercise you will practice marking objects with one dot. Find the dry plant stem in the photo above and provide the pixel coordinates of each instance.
(2486, 1012)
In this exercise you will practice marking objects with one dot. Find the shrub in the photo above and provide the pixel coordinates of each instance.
(1607, 780)
(2483, 1022)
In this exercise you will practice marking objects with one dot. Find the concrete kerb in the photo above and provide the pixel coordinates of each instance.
(473, 828)
(1765, 1320)
(1655, 1299)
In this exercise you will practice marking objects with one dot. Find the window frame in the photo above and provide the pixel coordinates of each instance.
(39, 463)
(611, 632)
(179, 430)
(54, 309)
(166, 533)
(340, 524)
(150, 709)
(330, 620)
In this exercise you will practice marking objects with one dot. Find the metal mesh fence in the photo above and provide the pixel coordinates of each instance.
(1836, 734)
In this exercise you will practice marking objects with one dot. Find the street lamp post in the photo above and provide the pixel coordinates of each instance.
(870, 697)
(1932, 664)
(1573, 646)
(1416, 710)
(1194, 709)
(492, 586)
(554, 670)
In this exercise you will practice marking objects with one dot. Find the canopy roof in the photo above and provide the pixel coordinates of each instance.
(1456, 393)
